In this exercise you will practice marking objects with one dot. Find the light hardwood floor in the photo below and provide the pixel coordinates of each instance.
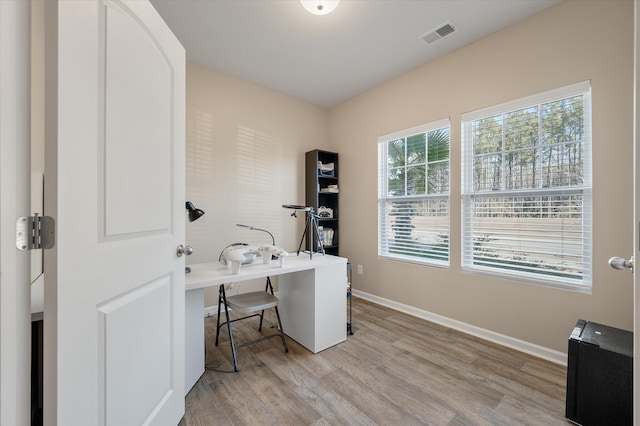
(394, 370)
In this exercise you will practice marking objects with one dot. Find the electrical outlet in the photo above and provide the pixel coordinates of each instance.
(360, 272)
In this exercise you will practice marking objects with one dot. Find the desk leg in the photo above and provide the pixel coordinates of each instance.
(194, 337)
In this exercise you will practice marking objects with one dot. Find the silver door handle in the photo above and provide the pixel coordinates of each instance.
(621, 263)
(184, 250)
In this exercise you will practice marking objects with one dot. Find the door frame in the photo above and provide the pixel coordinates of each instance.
(636, 211)
(15, 189)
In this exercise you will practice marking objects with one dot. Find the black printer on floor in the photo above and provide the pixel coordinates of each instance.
(600, 375)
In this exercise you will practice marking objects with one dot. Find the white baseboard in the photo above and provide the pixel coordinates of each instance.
(501, 339)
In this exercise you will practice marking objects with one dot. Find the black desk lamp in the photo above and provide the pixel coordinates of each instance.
(194, 214)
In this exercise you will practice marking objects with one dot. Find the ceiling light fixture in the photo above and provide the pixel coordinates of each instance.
(320, 7)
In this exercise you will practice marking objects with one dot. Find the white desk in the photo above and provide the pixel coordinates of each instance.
(312, 302)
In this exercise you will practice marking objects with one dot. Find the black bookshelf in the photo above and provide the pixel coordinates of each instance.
(322, 193)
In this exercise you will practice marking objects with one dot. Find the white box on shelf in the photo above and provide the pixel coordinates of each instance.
(325, 166)
(324, 211)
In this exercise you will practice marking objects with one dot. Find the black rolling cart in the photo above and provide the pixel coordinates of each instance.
(349, 302)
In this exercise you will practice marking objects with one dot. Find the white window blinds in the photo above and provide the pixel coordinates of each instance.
(413, 194)
(526, 189)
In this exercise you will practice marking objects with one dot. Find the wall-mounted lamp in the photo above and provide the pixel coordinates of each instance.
(320, 7)
(194, 213)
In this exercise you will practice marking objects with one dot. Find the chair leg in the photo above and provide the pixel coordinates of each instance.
(223, 299)
(267, 287)
(284, 342)
(233, 346)
(218, 318)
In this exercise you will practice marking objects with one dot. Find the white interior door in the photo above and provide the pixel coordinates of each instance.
(114, 182)
(15, 314)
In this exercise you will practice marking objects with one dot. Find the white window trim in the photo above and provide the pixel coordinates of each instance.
(585, 285)
(423, 128)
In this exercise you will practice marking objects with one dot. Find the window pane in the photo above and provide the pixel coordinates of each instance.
(438, 177)
(396, 153)
(438, 145)
(487, 135)
(521, 169)
(416, 149)
(487, 173)
(521, 129)
(417, 229)
(563, 165)
(438, 161)
(396, 182)
(563, 120)
(541, 235)
(416, 180)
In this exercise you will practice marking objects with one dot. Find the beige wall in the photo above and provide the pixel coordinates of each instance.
(574, 41)
(222, 111)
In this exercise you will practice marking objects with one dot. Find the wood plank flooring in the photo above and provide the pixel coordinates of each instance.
(394, 370)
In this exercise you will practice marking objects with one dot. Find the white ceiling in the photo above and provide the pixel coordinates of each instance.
(328, 59)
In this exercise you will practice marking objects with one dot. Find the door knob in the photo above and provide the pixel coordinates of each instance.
(621, 263)
(184, 250)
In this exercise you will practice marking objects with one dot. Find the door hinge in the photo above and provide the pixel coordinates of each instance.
(35, 232)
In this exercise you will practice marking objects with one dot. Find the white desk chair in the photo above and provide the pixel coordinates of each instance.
(248, 303)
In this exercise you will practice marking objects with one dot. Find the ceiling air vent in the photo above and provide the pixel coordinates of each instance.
(434, 35)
